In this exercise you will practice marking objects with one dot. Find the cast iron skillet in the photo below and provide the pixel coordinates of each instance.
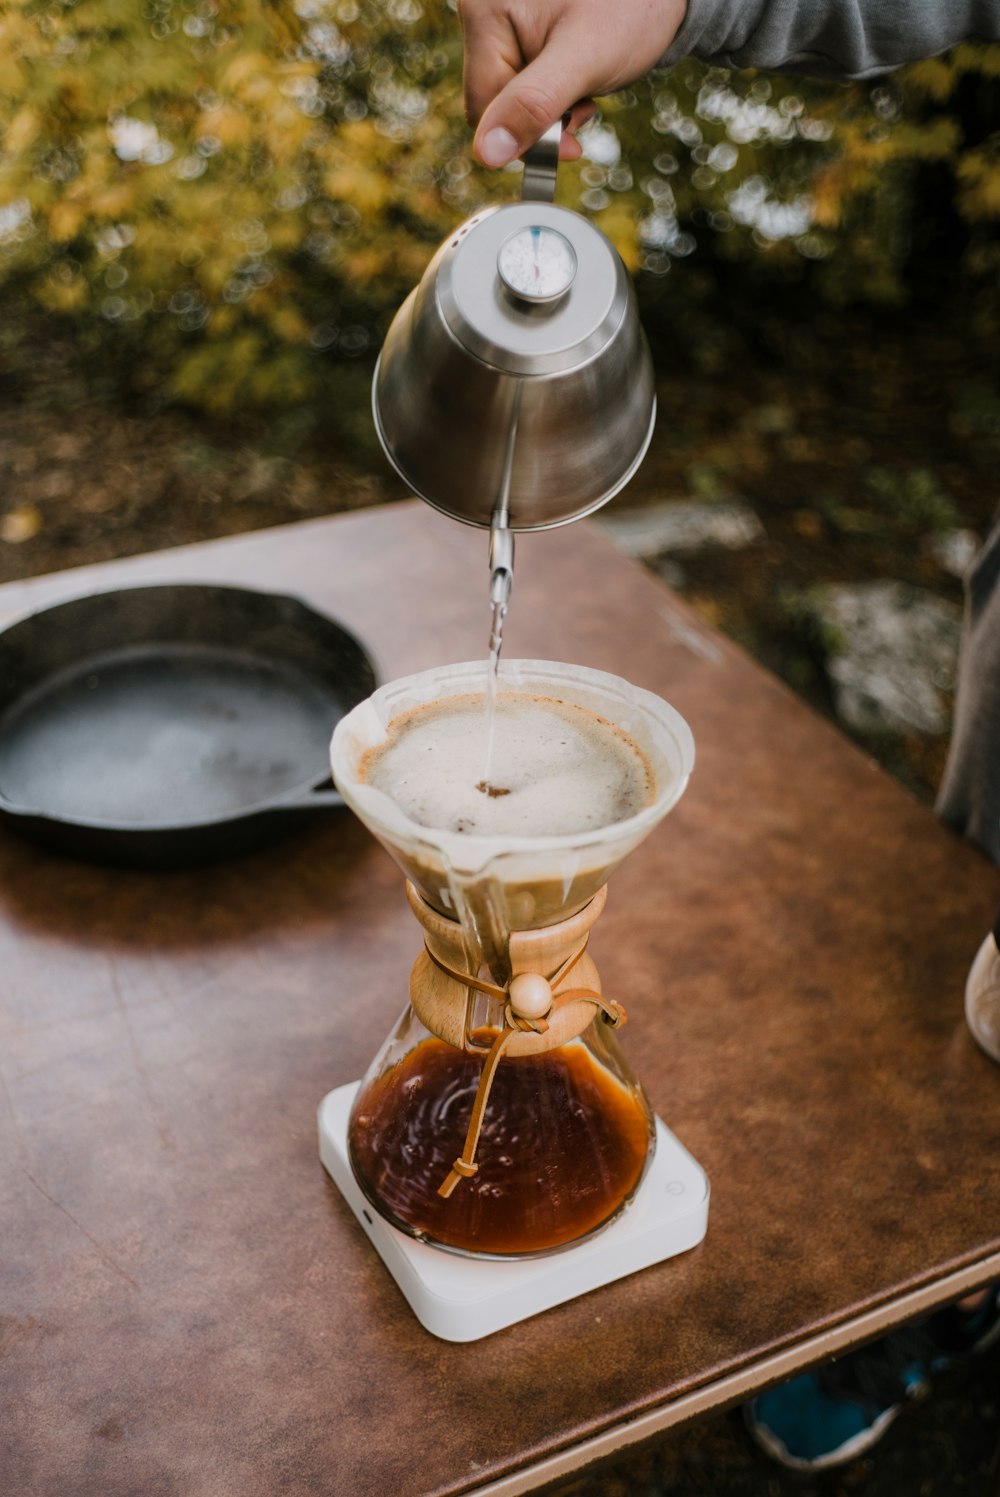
(164, 726)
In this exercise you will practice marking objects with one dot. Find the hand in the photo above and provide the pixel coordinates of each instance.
(528, 62)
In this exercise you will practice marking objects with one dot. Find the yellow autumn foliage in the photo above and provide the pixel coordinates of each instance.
(248, 72)
(65, 296)
(65, 218)
(229, 126)
(979, 181)
(22, 131)
(935, 77)
(230, 195)
(288, 324)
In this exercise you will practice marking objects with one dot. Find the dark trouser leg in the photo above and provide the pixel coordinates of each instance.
(969, 798)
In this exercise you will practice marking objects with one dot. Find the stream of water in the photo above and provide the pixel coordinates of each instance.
(501, 579)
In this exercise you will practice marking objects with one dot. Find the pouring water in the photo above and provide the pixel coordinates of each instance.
(501, 582)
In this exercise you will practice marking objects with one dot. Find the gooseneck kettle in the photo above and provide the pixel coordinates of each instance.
(515, 386)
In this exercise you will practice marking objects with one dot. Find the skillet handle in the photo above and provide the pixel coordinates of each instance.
(325, 797)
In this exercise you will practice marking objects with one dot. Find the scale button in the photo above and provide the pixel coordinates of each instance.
(674, 1188)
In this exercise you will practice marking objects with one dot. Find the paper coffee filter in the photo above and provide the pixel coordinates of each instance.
(517, 882)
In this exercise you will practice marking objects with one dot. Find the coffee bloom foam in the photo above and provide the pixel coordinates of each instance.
(563, 769)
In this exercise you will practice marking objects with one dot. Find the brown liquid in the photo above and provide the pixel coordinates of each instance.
(563, 1144)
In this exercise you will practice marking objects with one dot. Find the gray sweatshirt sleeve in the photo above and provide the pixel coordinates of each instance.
(829, 38)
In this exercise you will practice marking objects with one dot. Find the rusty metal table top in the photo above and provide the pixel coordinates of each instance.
(189, 1308)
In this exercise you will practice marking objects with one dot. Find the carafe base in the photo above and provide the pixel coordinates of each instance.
(462, 1298)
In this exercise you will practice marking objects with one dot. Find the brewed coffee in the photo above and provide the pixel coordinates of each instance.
(564, 1144)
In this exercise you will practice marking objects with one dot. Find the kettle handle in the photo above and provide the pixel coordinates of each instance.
(540, 164)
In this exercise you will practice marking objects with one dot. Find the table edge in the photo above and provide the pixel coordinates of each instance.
(744, 1382)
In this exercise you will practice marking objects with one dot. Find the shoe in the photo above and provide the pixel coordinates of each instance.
(808, 1425)
(835, 1414)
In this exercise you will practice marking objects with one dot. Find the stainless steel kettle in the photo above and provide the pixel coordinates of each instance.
(515, 386)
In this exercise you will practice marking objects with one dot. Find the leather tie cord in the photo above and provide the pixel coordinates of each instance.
(465, 1165)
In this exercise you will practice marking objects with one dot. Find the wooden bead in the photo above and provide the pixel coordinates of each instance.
(530, 995)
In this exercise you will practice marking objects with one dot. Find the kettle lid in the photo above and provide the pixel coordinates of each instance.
(531, 288)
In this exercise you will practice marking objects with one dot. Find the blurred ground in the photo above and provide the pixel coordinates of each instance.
(860, 449)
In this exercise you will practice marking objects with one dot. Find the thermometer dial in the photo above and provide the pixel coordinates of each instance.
(537, 264)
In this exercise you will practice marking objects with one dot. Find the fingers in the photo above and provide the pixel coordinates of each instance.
(570, 148)
(492, 55)
(533, 99)
(527, 64)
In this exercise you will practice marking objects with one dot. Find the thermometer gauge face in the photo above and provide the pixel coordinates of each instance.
(537, 264)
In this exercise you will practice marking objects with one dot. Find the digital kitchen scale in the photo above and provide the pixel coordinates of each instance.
(463, 1298)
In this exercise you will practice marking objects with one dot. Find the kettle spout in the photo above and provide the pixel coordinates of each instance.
(501, 561)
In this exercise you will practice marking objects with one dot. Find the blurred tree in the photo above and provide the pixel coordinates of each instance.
(225, 199)
(218, 191)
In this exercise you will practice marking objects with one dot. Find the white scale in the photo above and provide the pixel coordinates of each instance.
(464, 1299)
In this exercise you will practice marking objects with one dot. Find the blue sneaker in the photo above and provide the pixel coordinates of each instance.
(808, 1426)
(836, 1413)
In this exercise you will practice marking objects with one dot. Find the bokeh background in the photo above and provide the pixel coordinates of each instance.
(210, 209)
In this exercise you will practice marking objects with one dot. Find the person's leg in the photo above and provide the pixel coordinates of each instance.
(832, 1415)
(969, 798)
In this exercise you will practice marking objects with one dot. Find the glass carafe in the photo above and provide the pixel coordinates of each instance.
(500, 1118)
(566, 1132)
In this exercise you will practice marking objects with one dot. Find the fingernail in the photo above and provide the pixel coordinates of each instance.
(497, 147)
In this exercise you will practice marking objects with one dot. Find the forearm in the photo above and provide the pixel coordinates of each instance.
(839, 38)
(530, 61)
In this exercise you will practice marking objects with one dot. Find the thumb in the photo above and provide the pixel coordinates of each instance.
(532, 101)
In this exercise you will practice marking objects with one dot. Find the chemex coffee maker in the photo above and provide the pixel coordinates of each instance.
(500, 1153)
